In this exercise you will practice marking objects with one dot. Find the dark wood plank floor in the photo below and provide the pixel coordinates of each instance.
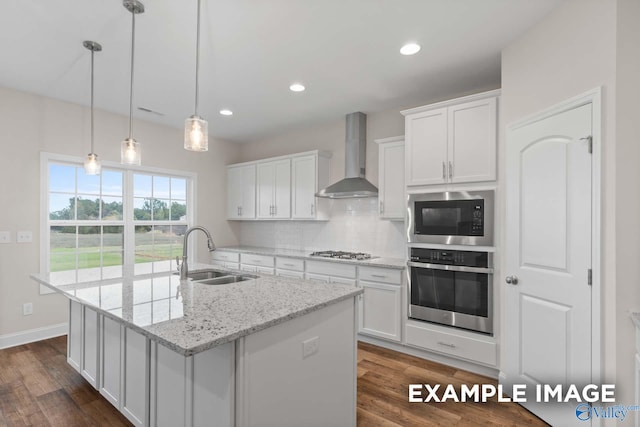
(39, 388)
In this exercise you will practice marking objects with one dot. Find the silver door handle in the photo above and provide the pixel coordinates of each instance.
(444, 173)
(240, 210)
(312, 207)
(379, 276)
(381, 206)
(450, 170)
(511, 280)
(447, 267)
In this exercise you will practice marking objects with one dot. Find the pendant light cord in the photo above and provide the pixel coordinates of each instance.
(92, 53)
(133, 46)
(197, 56)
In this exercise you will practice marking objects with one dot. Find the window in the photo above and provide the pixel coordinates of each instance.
(98, 224)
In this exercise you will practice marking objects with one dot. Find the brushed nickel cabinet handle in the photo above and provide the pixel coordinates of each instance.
(444, 173)
(446, 344)
(450, 170)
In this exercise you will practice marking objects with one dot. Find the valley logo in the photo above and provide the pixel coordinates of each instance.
(585, 411)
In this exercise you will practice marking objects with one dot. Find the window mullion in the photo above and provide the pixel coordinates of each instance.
(129, 226)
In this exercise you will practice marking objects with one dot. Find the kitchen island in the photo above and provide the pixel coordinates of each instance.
(166, 352)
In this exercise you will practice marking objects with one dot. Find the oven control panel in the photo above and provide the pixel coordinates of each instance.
(439, 256)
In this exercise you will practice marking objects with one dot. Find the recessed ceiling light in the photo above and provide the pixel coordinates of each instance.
(226, 112)
(410, 49)
(297, 87)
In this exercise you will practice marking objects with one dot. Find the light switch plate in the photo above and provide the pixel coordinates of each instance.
(5, 237)
(24, 237)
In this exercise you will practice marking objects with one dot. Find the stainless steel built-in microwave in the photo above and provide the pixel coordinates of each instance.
(453, 218)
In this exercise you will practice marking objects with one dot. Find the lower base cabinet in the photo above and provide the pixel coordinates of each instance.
(380, 310)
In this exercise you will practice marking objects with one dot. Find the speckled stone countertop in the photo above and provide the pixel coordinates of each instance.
(190, 317)
(395, 263)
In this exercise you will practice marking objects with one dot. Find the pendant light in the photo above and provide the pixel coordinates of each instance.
(196, 129)
(130, 152)
(91, 163)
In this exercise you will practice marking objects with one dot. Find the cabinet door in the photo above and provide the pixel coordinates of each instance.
(303, 191)
(282, 189)
(90, 346)
(248, 202)
(234, 192)
(111, 360)
(74, 344)
(380, 310)
(135, 391)
(391, 172)
(266, 173)
(290, 273)
(426, 145)
(472, 141)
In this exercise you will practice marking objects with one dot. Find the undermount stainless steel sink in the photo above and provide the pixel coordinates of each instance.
(206, 274)
(224, 280)
(210, 276)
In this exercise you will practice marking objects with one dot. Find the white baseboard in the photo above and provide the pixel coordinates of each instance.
(424, 354)
(32, 335)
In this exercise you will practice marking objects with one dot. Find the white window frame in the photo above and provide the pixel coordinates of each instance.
(127, 199)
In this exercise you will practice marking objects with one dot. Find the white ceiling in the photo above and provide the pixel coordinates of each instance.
(344, 51)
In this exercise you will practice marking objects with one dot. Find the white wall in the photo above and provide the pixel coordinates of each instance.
(354, 225)
(627, 219)
(30, 124)
(581, 45)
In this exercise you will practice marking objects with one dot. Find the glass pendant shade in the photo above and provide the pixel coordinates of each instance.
(131, 152)
(92, 165)
(196, 134)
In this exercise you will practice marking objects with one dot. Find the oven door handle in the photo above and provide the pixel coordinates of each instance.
(461, 268)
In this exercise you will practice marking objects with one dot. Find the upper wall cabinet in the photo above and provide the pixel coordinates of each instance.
(391, 178)
(309, 174)
(241, 191)
(274, 189)
(279, 188)
(453, 141)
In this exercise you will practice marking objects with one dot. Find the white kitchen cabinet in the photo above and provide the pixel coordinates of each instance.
(274, 189)
(452, 141)
(254, 263)
(331, 272)
(289, 273)
(135, 387)
(74, 338)
(309, 174)
(241, 191)
(90, 346)
(391, 189)
(111, 360)
(380, 307)
(380, 310)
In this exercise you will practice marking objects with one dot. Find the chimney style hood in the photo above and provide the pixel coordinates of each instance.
(354, 185)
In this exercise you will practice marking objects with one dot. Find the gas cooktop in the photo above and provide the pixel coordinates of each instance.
(342, 255)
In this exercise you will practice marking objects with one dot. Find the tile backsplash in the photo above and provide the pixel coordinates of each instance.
(354, 225)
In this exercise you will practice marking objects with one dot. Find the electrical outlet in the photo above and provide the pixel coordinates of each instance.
(24, 237)
(5, 237)
(27, 309)
(310, 346)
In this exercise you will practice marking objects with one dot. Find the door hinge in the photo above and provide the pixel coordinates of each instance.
(589, 140)
(589, 277)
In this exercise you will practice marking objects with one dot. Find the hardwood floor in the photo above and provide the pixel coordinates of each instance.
(383, 384)
(39, 388)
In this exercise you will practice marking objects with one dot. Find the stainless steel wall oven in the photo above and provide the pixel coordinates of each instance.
(452, 288)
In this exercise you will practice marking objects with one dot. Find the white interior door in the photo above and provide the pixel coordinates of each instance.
(548, 258)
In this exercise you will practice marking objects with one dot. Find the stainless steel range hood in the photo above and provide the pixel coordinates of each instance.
(354, 185)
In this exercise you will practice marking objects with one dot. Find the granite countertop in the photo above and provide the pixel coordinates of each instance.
(395, 263)
(190, 317)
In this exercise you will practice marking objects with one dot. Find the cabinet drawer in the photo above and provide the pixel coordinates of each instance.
(261, 260)
(384, 275)
(332, 269)
(265, 270)
(294, 264)
(226, 256)
(290, 273)
(455, 345)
